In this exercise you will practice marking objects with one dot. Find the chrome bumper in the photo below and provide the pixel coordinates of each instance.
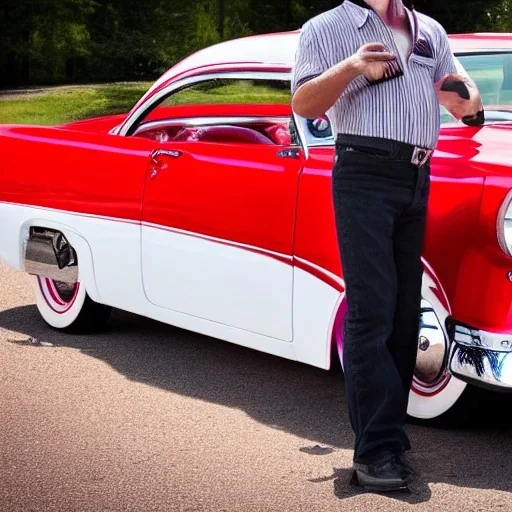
(481, 358)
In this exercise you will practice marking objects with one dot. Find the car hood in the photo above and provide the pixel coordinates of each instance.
(486, 149)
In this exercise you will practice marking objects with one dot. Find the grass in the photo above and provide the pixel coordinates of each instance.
(61, 105)
(68, 104)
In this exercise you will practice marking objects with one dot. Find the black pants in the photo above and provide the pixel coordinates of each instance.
(380, 202)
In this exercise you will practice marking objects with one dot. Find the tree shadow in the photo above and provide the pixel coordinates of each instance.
(285, 395)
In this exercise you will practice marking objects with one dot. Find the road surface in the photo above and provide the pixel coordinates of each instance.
(147, 417)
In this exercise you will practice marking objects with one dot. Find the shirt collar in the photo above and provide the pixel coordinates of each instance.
(360, 11)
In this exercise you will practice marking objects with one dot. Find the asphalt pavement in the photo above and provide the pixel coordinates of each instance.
(148, 417)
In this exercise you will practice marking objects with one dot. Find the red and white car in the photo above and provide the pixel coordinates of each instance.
(208, 207)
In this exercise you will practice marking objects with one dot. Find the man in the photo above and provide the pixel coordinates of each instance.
(379, 69)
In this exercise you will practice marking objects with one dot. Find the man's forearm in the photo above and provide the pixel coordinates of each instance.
(460, 96)
(318, 95)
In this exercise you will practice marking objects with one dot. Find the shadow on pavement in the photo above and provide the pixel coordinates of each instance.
(289, 396)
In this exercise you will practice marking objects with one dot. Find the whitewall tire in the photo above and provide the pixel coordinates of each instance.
(68, 307)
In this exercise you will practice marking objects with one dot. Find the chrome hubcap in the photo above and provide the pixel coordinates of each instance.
(66, 291)
(432, 347)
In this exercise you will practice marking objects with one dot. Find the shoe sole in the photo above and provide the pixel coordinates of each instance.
(372, 484)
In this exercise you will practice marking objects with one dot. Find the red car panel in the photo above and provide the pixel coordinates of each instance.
(239, 193)
(74, 171)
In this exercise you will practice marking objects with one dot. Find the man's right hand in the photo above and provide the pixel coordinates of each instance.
(371, 60)
(315, 97)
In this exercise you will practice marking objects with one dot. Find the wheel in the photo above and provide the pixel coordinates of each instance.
(436, 398)
(67, 307)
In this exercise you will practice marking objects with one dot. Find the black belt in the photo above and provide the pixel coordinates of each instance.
(387, 148)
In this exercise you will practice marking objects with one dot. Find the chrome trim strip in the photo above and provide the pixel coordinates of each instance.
(327, 144)
(301, 133)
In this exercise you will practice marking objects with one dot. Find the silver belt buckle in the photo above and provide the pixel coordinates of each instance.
(420, 156)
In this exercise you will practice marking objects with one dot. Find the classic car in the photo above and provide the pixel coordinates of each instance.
(207, 206)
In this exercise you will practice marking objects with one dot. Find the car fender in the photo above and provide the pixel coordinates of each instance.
(432, 291)
(78, 242)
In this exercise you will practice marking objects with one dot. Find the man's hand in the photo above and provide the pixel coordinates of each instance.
(315, 97)
(372, 60)
(460, 96)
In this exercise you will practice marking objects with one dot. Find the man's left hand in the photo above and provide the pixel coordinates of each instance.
(460, 96)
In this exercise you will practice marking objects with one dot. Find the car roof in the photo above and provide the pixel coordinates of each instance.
(277, 50)
(481, 42)
(271, 49)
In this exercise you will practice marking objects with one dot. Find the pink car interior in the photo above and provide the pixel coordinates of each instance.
(277, 134)
(222, 134)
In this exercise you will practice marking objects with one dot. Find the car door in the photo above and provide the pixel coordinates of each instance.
(217, 233)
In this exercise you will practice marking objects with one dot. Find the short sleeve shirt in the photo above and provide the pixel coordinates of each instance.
(404, 106)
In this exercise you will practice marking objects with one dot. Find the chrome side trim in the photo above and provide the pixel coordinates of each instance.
(301, 134)
(482, 367)
(48, 254)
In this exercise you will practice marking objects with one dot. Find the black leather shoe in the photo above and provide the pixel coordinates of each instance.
(406, 469)
(384, 476)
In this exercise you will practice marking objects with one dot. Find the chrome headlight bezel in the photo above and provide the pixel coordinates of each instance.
(504, 225)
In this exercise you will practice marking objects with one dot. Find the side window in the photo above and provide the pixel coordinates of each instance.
(223, 110)
(239, 92)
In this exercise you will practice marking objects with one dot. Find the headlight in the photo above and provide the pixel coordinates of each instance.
(504, 225)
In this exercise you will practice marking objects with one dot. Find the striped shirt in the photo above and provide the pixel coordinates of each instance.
(403, 107)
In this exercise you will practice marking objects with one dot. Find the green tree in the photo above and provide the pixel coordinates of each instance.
(501, 16)
(51, 41)
(461, 16)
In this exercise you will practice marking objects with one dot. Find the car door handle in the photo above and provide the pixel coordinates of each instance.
(170, 153)
(156, 154)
